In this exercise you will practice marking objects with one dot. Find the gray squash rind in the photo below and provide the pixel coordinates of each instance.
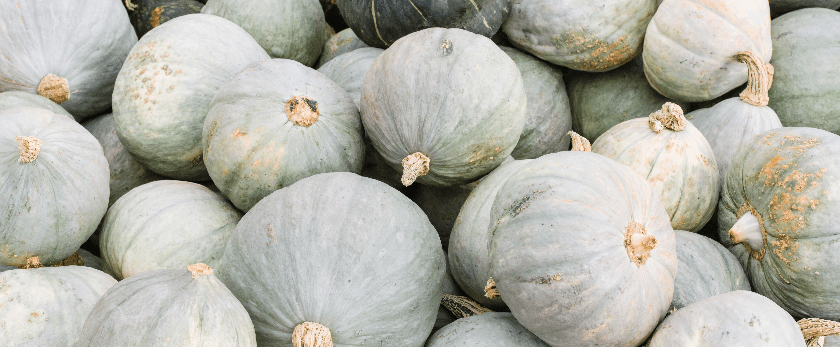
(780, 7)
(498, 329)
(15, 99)
(349, 69)
(344, 41)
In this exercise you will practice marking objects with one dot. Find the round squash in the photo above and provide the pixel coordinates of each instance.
(15, 99)
(377, 168)
(164, 89)
(289, 29)
(777, 215)
(579, 34)
(674, 157)
(344, 41)
(55, 185)
(441, 205)
(346, 258)
(90, 260)
(444, 316)
(780, 7)
(380, 24)
(805, 91)
(739, 318)
(165, 225)
(146, 15)
(169, 307)
(275, 123)
(497, 329)
(575, 222)
(67, 51)
(443, 106)
(47, 306)
(349, 70)
(690, 46)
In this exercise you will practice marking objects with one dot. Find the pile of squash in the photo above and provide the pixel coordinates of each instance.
(436, 173)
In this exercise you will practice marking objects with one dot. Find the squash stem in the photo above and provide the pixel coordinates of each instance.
(580, 143)
(414, 166)
(747, 230)
(670, 116)
(759, 81)
(29, 148)
(311, 334)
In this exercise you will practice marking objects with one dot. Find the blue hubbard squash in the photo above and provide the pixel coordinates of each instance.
(15, 99)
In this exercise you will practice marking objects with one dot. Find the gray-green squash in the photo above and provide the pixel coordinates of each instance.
(349, 70)
(146, 15)
(497, 329)
(777, 214)
(344, 41)
(165, 225)
(15, 99)
(275, 123)
(369, 274)
(674, 157)
(443, 106)
(582, 251)
(738, 318)
(441, 205)
(169, 307)
(90, 260)
(805, 91)
(288, 29)
(68, 51)
(690, 46)
(55, 185)
(780, 7)
(164, 89)
(444, 316)
(47, 306)
(580, 34)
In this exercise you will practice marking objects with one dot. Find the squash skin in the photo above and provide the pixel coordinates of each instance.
(467, 118)
(85, 42)
(150, 14)
(164, 89)
(396, 19)
(53, 204)
(497, 329)
(344, 41)
(379, 283)
(168, 307)
(788, 176)
(739, 318)
(805, 91)
(47, 306)
(137, 229)
(780, 7)
(560, 226)
(15, 99)
(252, 148)
(349, 69)
(690, 46)
(299, 35)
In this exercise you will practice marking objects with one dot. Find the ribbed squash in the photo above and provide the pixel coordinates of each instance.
(15, 99)
(497, 329)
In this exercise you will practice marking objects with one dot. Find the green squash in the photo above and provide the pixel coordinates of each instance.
(706, 268)
(15, 99)
(344, 41)
(344, 257)
(169, 307)
(165, 225)
(780, 7)
(349, 69)
(55, 185)
(581, 251)
(146, 15)
(47, 306)
(690, 46)
(777, 214)
(288, 29)
(164, 89)
(275, 123)
(739, 318)
(126, 173)
(674, 157)
(67, 51)
(805, 91)
(497, 329)
(444, 106)
(377, 168)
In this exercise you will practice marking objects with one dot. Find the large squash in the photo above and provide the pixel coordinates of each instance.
(690, 46)
(68, 51)
(15, 99)
(164, 89)
(349, 70)
(498, 329)
(336, 257)
(582, 251)
(444, 106)
(55, 185)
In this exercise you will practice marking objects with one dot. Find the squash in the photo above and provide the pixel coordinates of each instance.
(344, 41)
(549, 118)
(674, 157)
(380, 24)
(275, 123)
(377, 168)
(137, 233)
(444, 106)
(169, 307)
(15, 99)
(560, 226)
(777, 215)
(90, 260)
(733, 122)
(805, 92)
(690, 46)
(125, 172)
(706, 269)
(164, 89)
(55, 185)
(590, 36)
(780, 7)
(444, 316)
(370, 273)
(47, 306)
(739, 318)
(349, 69)
(441, 205)
(146, 15)
(488, 329)
(288, 29)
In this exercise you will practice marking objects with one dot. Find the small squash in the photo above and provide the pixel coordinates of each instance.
(497, 329)
(344, 41)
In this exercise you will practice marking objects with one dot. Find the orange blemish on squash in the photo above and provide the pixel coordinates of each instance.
(237, 134)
